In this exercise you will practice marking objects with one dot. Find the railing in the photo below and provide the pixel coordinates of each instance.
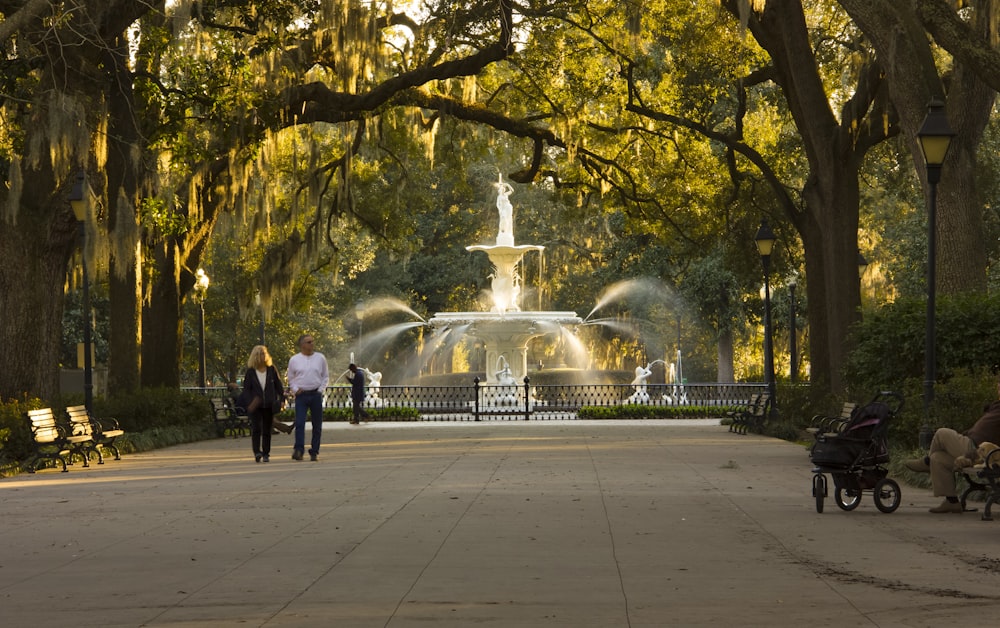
(480, 401)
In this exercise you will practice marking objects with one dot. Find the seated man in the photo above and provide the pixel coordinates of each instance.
(948, 445)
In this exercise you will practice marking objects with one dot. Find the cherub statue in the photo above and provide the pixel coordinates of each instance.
(642, 374)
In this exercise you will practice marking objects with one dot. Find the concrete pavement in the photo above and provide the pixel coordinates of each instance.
(496, 524)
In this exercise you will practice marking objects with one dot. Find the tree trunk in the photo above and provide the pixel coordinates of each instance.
(36, 252)
(829, 236)
(162, 324)
(726, 372)
(828, 222)
(125, 289)
(906, 57)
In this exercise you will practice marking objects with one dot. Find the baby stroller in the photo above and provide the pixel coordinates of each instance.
(854, 453)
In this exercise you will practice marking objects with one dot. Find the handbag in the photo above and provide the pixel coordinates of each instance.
(254, 405)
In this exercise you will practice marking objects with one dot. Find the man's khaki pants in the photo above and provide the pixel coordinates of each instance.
(947, 445)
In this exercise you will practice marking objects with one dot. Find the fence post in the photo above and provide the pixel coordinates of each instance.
(527, 398)
(475, 391)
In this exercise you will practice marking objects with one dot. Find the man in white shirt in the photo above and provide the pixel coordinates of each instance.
(308, 376)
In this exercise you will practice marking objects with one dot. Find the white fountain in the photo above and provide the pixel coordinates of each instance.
(505, 330)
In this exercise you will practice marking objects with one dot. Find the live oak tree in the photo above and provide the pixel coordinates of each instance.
(76, 71)
(175, 117)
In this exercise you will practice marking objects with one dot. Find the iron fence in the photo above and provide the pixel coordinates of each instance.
(479, 401)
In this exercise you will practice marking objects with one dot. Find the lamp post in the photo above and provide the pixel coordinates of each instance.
(793, 366)
(79, 201)
(862, 265)
(765, 243)
(200, 289)
(359, 313)
(935, 137)
(260, 311)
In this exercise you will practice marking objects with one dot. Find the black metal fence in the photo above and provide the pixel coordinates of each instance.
(479, 401)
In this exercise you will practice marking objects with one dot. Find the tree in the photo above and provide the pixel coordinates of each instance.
(59, 70)
(968, 81)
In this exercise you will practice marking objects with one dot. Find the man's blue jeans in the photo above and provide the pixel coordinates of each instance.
(311, 403)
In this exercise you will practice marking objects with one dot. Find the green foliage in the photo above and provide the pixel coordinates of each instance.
(796, 408)
(15, 433)
(638, 411)
(151, 408)
(155, 214)
(958, 403)
(967, 333)
(334, 415)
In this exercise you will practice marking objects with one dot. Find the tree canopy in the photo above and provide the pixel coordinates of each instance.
(317, 152)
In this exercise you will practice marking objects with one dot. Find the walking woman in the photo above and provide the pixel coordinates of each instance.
(264, 396)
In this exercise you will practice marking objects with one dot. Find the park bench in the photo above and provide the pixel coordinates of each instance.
(229, 420)
(751, 416)
(829, 424)
(104, 432)
(52, 442)
(985, 479)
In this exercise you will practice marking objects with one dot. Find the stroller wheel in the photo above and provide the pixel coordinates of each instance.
(847, 498)
(819, 490)
(887, 495)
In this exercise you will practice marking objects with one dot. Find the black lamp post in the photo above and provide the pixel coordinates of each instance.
(260, 311)
(935, 137)
(862, 265)
(359, 312)
(765, 243)
(201, 288)
(793, 366)
(79, 201)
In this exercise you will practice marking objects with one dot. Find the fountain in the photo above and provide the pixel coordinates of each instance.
(505, 330)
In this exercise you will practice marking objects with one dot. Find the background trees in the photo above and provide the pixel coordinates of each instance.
(313, 154)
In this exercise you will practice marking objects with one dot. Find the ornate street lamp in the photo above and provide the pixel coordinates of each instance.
(935, 138)
(793, 365)
(79, 200)
(200, 289)
(765, 243)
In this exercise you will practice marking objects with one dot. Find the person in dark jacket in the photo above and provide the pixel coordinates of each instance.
(263, 397)
(356, 375)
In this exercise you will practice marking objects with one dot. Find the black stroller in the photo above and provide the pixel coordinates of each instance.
(854, 452)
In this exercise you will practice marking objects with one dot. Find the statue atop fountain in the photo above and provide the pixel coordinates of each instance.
(505, 231)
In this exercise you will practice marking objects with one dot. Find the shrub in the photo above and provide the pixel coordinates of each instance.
(958, 402)
(637, 411)
(15, 434)
(332, 415)
(968, 337)
(150, 408)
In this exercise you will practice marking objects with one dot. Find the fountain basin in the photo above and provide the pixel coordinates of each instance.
(506, 334)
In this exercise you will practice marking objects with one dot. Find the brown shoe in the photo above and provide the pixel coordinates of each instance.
(918, 465)
(283, 427)
(946, 507)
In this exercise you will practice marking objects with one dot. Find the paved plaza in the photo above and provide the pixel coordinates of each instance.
(576, 524)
